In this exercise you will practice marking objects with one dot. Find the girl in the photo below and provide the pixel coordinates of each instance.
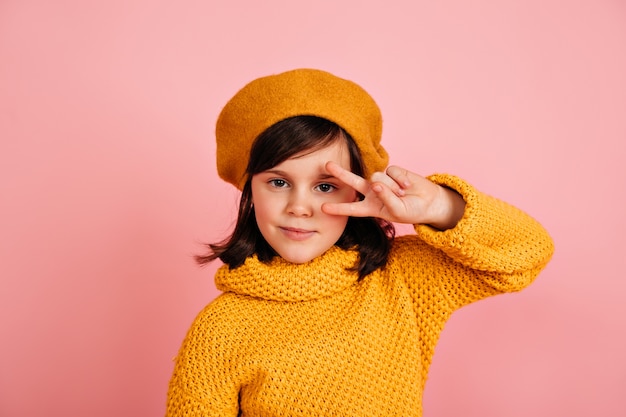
(324, 312)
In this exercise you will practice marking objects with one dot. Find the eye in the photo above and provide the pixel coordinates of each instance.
(278, 183)
(325, 188)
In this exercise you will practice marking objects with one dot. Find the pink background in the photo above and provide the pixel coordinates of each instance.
(107, 182)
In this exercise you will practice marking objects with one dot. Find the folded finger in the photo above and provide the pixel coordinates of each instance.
(389, 201)
(399, 175)
(383, 178)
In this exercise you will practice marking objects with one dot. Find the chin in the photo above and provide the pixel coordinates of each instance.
(299, 258)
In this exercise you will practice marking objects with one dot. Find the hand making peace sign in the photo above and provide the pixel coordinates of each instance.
(400, 196)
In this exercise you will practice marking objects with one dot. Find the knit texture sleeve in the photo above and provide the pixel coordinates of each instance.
(495, 247)
(203, 382)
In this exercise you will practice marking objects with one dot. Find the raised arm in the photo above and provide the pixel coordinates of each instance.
(491, 242)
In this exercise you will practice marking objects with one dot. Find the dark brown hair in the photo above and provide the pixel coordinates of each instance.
(371, 236)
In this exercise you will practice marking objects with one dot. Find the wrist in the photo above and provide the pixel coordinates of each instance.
(450, 209)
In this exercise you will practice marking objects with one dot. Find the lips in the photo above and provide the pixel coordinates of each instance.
(296, 234)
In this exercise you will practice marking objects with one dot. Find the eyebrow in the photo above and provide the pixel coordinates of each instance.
(280, 173)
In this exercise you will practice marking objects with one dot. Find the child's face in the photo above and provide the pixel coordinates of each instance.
(288, 199)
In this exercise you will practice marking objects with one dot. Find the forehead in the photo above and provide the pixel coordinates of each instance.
(316, 159)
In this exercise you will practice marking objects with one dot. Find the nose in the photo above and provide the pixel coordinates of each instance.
(300, 204)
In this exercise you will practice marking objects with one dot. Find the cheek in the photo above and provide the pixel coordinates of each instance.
(262, 213)
(346, 196)
(263, 204)
(337, 223)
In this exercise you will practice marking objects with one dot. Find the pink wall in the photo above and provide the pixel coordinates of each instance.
(107, 182)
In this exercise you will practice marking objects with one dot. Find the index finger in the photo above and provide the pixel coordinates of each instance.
(358, 183)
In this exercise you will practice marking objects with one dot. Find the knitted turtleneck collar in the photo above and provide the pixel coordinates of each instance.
(280, 280)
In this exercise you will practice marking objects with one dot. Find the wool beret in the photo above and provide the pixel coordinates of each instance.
(270, 99)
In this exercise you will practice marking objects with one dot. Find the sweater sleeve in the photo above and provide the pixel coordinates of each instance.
(203, 383)
(500, 248)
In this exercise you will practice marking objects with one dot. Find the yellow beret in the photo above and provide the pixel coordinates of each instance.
(268, 100)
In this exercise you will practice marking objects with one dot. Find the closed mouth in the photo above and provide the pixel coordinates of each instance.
(296, 234)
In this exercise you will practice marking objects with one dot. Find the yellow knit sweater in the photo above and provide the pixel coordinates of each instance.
(310, 340)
